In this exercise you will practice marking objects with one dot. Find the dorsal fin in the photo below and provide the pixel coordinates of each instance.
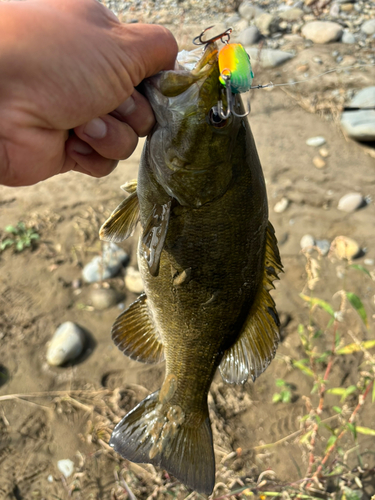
(256, 346)
(154, 235)
(134, 333)
(121, 223)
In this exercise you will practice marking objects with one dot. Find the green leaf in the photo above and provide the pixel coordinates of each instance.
(285, 396)
(350, 348)
(332, 440)
(337, 409)
(6, 243)
(341, 391)
(365, 430)
(319, 302)
(11, 229)
(276, 398)
(358, 306)
(19, 245)
(352, 429)
(304, 369)
(280, 382)
(34, 236)
(360, 268)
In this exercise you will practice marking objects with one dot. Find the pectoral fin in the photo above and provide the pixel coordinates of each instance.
(256, 346)
(122, 222)
(154, 235)
(134, 333)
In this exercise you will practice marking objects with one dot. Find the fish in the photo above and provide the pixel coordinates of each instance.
(208, 257)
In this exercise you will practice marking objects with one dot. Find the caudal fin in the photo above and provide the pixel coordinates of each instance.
(159, 434)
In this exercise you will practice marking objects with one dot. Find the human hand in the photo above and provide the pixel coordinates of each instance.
(67, 99)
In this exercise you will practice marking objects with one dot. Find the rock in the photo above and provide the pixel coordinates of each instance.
(249, 11)
(66, 467)
(322, 31)
(347, 37)
(281, 205)
(104, 298)
(268, 58)
(368, 27)
(307, 242)
(346, 7)
(66, 344)
(316, 141)
(324, 152)
(360, 124)
(292, 14)
(319, 162)
(240, 26)
(334, 10)
(249, 36)
(266, 23)
(345, 248)
(365, 98)
(105, 266)
(369, 262)
(133, 280)
(323, 246)
(351, 202)
(232, 20)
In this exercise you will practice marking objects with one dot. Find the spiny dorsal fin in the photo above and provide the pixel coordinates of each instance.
(256, 346)
(154, 235)
(134, 333)
(122, 221)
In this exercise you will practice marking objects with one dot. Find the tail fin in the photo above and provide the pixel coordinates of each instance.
(159, 434)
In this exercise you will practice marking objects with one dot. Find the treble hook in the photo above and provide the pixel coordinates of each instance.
(226, 34)
(230, 100)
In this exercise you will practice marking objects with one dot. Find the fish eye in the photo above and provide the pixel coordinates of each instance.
(215, 119)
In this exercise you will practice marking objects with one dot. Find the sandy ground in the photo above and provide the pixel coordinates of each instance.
(36, 295)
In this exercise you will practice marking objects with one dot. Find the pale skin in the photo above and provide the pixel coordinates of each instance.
(68, 69)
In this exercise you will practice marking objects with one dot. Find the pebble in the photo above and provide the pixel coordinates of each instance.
(66, 467)
(334, 10)
(345, 248)
(316, 141)
(66, 344)
(368, 262)
(133, 280)
(319, 162)
(292, 14)
(104, 298)
(346, 7)
(264, 23)
(350, 202)
(360, 124)
(368, 27)
(105, 266)
(307, 242)
(324, 246)
(281, 205)
(365, 98)
(322, 31)
(268, 58)
(324, 152)
(249, 11)
(347, 37)
(249, 36)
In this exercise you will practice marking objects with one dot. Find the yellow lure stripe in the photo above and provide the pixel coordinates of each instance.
(234, 61)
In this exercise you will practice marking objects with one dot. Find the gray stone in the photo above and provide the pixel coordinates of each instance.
(249, 11)
(268, 58)
(240, 26)
(350, 202)
(369, 262)
(105, 266)
(316, 141)
(365, 98)
(292, 14)
(322, 31)
(324, 246)
(347, 37)
(104, 298)
(307, 242)
(66, 344)
(133, 280)
(233, 19)
(66, 467)
(249, 36)
(359, 125)
(334, 10)
(266, 23)
(368, 27)
(281, 205)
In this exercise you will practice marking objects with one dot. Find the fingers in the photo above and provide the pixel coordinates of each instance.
(136, 112)
(82, 158)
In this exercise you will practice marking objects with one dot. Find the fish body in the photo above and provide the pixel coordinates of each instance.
(207, 255)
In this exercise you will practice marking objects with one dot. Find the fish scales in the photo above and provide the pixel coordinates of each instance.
(207, 256)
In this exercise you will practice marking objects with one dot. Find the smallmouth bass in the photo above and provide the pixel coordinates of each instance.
(208, 257)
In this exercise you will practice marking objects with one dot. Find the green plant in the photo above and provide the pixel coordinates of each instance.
(20, 237)
(285, 394)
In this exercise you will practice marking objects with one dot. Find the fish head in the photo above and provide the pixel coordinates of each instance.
(190, 148)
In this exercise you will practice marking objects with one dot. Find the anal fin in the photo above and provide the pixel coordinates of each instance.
(257, 343)
(121, 223)
(134, 333)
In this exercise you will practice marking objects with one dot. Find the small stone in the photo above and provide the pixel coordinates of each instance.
(307, 242)
(266, 23)
(368, 27)
(316, 141)
(50, 478)
(239, 26)
(104, 298)
(268, 58)
(344, 247)
(319, 162)
(249, 36)
(359, 125)
(292, 14)
(368, 262)
(322, 31)
(351, 202)
(66, 467)
(324, 246)
(334, 10)
(365, 98)
(324, 152)
(346, 7)
(347, 37)
(249, 11)
(66, 344)
(105, 266)
(281, 205)
(133, 280)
